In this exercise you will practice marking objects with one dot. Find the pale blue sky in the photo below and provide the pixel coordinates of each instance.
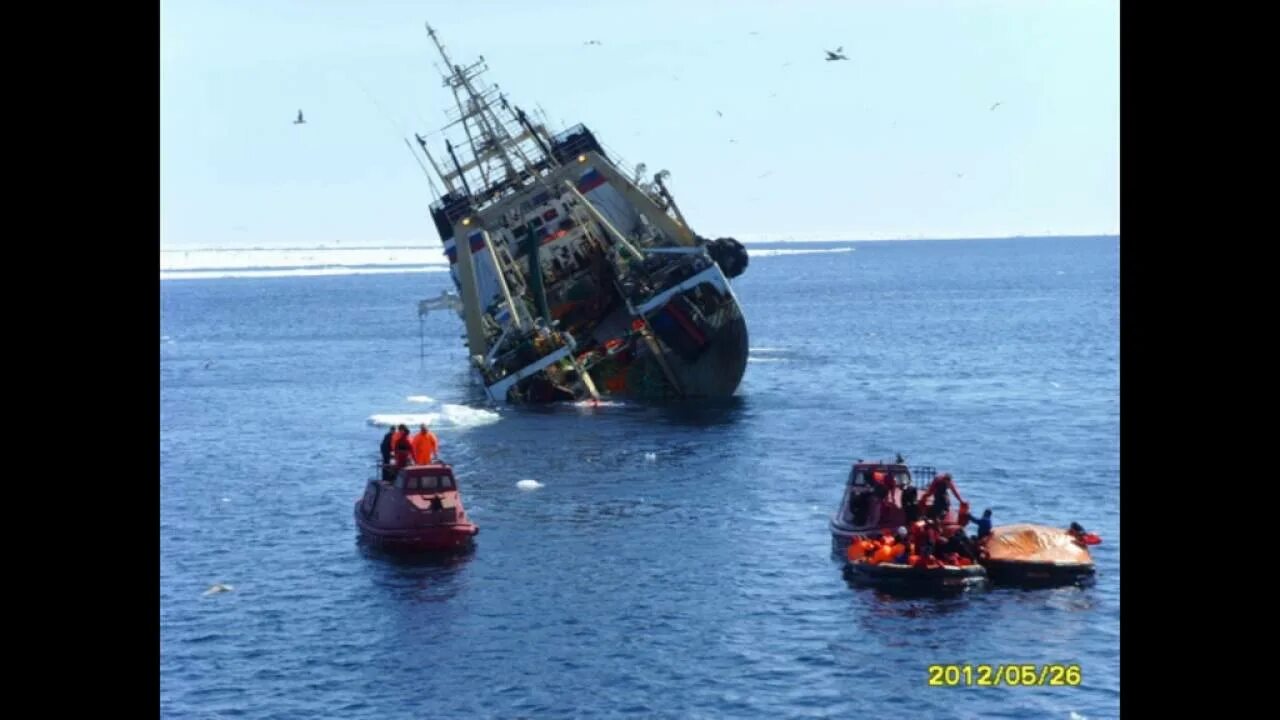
(869, 148)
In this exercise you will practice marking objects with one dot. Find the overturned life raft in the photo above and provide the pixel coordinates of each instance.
(1037, 555)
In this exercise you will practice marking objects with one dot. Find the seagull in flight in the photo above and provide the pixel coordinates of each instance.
(720, 114)
(837, 55)
(299, 121)
(993, 107)
(593, 42)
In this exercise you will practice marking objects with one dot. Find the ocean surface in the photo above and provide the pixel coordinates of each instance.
(676, 562)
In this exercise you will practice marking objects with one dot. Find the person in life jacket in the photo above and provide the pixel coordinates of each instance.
(942, 482)
(902, 540)
(396, 433)
(916, 535)
(932, 543)
(425, 445)
(1082, 536)
(961, 545)
(879, 485)
(403, 449)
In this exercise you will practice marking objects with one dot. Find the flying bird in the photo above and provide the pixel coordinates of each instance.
(593, 42)
(993, 107)
(837, 55)
(299, 121)
(720, 114)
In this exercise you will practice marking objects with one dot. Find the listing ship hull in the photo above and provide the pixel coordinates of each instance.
(576, 277)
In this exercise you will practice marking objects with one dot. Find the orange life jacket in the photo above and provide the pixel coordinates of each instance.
(424, 446)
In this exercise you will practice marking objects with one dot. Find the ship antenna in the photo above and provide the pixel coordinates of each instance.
(493, 138)
(424, 167)
(434, 164)
(453, 80)
(431, 31)
(520, 116)
(449, 146)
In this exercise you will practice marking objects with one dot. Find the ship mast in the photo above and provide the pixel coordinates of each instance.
(487, 134)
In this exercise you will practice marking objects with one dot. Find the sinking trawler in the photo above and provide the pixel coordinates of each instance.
(575, 278)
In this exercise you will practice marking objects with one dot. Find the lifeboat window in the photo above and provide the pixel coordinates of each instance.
(859, 478)
(411, 483)
(446, 483)
(902, 479)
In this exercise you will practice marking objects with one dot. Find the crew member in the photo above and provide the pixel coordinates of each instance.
(385, 448)
(983, 523)
(942, 482)
(425, 445)
(403, 449)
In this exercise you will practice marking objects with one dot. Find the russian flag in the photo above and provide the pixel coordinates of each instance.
(590, 181)
(477, 241)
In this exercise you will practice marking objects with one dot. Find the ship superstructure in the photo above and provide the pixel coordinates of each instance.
(575, 279)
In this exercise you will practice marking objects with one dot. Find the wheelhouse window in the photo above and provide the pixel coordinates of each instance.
(429, 483)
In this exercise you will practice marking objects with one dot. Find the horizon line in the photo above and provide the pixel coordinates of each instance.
(747, 239)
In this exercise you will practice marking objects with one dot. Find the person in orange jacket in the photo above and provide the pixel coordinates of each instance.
(425, 445)
(402, 449)
(942, 482)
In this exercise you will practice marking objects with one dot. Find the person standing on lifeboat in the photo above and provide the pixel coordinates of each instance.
(425, 445)
(942, 482)
(909, 507)
(983, 523)
(883, 486)
(403, 449)
(385, 449)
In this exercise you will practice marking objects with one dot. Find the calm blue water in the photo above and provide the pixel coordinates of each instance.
(693, 583)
